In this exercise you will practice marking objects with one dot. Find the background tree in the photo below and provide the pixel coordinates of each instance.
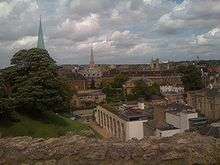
(119, 80)
(143, 90)
(192, 77)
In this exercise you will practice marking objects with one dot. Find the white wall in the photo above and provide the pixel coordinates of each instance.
(173, 120)
(180, 120)
(135, 129)
(185, 120)
(166, 133)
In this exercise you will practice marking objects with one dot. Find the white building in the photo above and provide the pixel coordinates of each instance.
(171, 89)
(166, 132)
(178, 115)
(177, 120)
(123, 122)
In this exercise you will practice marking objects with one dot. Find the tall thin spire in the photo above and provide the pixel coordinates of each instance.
(92, 61)
(40, 43)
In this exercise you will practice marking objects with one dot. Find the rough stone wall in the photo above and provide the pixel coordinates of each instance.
(188, 148)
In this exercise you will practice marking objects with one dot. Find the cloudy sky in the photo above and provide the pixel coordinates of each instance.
(121, 31)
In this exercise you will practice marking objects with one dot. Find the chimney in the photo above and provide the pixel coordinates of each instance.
(159, 116)
(141, 104)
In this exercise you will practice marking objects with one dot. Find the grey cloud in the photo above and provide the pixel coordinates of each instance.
(70, 43)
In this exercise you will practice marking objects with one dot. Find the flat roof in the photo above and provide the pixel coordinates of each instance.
(175, 108)
(167, 127)
(216, 124)
(128, 113)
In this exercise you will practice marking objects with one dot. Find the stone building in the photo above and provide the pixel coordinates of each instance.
(172, 119)
(78, 85)
(155, 65)
(88, 98)
(124, 122)
(206, 102)
(130, 85)
(172, 93)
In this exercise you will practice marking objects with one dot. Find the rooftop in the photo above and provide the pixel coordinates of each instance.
(127, 112)
(167, 127)
(179, 107)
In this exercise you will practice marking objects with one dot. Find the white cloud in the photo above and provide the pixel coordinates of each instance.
(210, 38)
(117, 35)
(121, 30)
(87, 26)
(25, 42)
(141, 49)
(191, 14)
(5, 9)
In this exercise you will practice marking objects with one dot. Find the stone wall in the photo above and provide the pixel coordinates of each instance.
(183, 149)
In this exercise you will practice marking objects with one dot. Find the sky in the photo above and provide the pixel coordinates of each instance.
(120, 31)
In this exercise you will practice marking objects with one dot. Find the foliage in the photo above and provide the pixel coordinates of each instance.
(119, 80)
(143, 90)
(35, 84)
(192, 77)
(113, 94)
(6, 107)
(114, 90)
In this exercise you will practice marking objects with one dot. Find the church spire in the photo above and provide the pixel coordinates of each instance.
(92, 61)
(40, 43)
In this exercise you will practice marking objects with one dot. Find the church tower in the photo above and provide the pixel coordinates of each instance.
(40, 42)
(92, 61)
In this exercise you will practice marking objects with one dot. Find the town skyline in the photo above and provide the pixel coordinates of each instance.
(122, 32)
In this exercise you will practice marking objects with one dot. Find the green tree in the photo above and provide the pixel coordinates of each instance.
(119, 80)
(144, 90)
(6, 107)
(192, 78)
(154, 89)
(36, 86)
(140, 88)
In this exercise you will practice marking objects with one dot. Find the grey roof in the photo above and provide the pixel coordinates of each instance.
(178, 107)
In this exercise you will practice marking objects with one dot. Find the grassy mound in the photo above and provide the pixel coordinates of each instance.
(52, 126)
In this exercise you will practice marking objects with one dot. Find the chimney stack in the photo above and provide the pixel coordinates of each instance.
(141, 104)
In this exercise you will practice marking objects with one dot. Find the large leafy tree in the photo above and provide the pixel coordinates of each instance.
(6, 106)
(35, 84)
(119, 80)
(143, 90)
(192, 77)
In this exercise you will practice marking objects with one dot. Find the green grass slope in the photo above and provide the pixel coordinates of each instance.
(53, 126)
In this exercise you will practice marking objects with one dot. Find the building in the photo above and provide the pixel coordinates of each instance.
(92, 73)
(84, 115)
(178, 115)
(172, 93)
(214, 130)
(157, 126)
(206, 102)
(155, 65)
(92, 60)
(169, 88)
(124, 122)
(40, 42)
(156, 101)
(88, 98)
(167, 130)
